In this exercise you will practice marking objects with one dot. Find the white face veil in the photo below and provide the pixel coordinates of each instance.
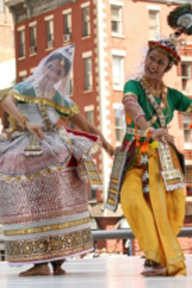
(53, 74)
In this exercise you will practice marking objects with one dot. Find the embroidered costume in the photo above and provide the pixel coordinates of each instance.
(43, 192)
(149, 174)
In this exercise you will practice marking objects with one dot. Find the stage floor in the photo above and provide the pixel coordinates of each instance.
(110, 272)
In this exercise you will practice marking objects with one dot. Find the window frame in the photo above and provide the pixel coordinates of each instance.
(187, 131)
(86, 25)
(121, 72)
(157, 12)
(33, 46)
(71, 83)
(90, 77)
(67, 32)
(90, 109)
(21, 31)
(185, 79)
(120, 10)
(49, 25)
(116, 107)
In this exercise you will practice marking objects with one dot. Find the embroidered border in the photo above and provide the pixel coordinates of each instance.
(49, 247)
(68, 111)
(46, 228)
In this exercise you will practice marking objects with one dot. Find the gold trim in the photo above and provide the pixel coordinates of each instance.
(189, 109)
(69, 111)
(28, 257)
(130, 93)
(48, 247)
(47, 228)
(31, 176)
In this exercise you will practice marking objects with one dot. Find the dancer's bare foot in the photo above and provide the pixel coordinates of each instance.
(37, 270)
(161, 271)
(152, 269)
(57, 269)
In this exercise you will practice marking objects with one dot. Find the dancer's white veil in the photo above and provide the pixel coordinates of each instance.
(62, 57)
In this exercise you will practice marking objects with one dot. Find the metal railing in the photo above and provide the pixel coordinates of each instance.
(127, 233)
(107, 234)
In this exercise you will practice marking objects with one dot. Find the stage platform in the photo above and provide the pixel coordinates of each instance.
(109, 272)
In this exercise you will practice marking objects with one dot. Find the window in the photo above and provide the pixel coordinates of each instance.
(188, 175)
(119, 126)
(21, 43)
(187, 131)
(22, 75)
(118, 72)
(22, 78)
(154, 28)
(67, 28)
(33, 39)
(2, 6)
(185, 76)
(32, 70)
(189, 190)
(49, 31)
(88, 73)
(90, 116)
(86, 21)
(116, 19)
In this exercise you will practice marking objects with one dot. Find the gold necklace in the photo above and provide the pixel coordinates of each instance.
(152, 90)
(159, 93)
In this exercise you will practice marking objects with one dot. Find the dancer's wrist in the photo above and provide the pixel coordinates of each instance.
(149, 132)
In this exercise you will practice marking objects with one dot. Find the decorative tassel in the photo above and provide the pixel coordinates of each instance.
(128, 119)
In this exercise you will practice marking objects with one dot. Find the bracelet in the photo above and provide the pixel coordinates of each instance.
(138, 116)
(149, 132)
(23, 120)
(128, 99)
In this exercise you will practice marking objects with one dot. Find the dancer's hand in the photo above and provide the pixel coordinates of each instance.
(162, 136)
(109, 149)
(36, 129)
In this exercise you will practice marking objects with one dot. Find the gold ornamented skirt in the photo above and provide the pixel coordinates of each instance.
(157, 217)
(43, 199)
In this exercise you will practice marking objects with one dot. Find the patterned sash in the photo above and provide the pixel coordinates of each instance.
(172, 177)
(34, 148)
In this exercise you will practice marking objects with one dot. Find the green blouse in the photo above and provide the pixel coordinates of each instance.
(175, 99)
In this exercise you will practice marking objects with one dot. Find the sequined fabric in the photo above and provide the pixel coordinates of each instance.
(43, 204)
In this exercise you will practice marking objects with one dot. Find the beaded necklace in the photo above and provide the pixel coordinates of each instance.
(172, 177)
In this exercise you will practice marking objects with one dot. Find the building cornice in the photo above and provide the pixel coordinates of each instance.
(27, 9)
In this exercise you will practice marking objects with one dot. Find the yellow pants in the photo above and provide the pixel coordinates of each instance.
(155, 218)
